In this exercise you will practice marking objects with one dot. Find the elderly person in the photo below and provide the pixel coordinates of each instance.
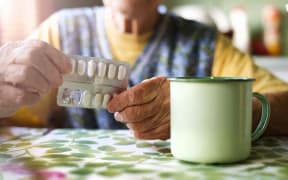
(153, 43)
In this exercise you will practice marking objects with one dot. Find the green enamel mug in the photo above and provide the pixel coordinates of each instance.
(211, 118)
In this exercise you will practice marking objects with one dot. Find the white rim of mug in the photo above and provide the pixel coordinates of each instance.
(209, 79)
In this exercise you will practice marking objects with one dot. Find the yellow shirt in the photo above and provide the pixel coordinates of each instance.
(124, 46)
(228, 61)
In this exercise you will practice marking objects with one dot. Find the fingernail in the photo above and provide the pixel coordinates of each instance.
(118, 116)
(132, 132)
(128, 126)
(145, 80)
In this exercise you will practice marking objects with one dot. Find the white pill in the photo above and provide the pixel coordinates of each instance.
(102, 69)
(91, 68)
(81, 67)
(73, 63)
(112, 71)
(97, 100)
(122, 73)
(105, 100)
(86, 98)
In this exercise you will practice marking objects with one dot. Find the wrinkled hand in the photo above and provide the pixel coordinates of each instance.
(145, 108)
(27, 70)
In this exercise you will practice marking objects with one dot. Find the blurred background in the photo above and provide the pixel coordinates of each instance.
(18, 18)
(256, 27)
(266, 21)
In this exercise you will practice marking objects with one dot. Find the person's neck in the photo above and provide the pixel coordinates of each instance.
(136, 26)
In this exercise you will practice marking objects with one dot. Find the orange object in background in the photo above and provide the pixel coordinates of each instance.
(271, 24)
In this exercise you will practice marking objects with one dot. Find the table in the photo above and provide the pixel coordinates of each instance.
(108, 154)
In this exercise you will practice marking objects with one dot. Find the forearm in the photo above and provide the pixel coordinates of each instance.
(6, 112)
(37, 115)
(278, 125)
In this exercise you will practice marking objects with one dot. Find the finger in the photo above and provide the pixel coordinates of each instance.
(56, 57)
(159, 107)
(11, 96)
(26, 77)
(161, 132)
(7, 111)
(59, 59)
(40, 62)
(137, 113)
(137, 95)
(152, 121)
(144, 126)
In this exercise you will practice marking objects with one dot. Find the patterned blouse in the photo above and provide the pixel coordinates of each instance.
(177, 47)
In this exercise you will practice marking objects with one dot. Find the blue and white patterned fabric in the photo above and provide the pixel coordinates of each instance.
(178, 47)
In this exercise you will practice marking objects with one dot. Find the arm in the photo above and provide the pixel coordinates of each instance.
(230, 62)
(145, 108)
(38, 114)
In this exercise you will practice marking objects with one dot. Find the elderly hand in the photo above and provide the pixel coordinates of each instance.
(145, 108)
(27, 70)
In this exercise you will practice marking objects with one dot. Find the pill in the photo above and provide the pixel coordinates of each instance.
(112, 71)
(97, 100)
(101, 69)
(86, 98)
(85, 69)
(74, 101)
(66, 100)
(105, 100)
(73, 63)
(81, 67)
(75, 96)
(122, 73)
(91, 68)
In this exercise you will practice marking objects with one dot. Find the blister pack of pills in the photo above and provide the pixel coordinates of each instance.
(92, 82)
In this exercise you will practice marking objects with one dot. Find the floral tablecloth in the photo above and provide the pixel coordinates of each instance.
(106, 154)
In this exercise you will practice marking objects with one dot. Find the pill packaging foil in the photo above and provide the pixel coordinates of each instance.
(92, 82)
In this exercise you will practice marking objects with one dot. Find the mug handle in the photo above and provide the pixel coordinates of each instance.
(265, 114)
